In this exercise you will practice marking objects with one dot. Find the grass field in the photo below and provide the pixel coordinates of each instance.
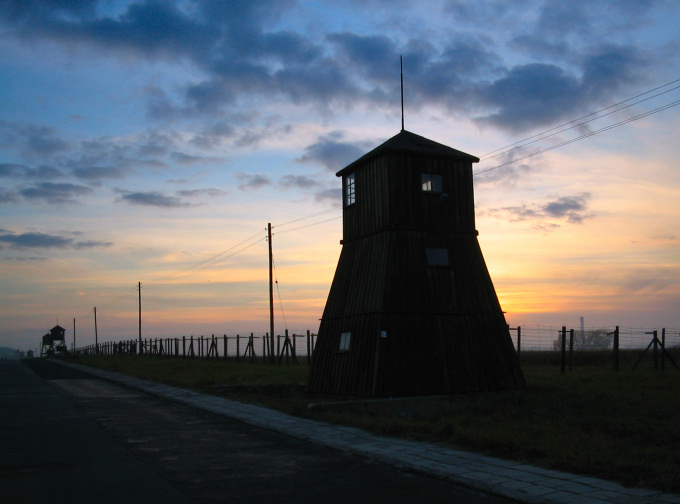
(622, 426)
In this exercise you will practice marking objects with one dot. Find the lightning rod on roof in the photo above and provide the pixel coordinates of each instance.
(401, 71)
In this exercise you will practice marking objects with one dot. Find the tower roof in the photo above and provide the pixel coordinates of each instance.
(410, 143)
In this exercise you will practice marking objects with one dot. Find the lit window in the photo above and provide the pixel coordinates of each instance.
(437, 256)
(350, 194)
(344, 341)
(431, 182)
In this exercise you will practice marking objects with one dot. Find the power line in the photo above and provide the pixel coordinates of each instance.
(216, 258)
(247, 243)
(211, 261)
(114, 302)
(512, 146)
(585, 135)
(519, 145)
(310, 225)
(323, 212)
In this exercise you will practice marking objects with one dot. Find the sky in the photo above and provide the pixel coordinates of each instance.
(153, 141)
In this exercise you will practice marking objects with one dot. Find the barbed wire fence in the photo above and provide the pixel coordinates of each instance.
(546, 337)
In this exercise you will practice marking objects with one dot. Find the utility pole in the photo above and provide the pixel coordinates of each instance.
(74, 334)
(139, 286)
(96, 340)
(271, 295)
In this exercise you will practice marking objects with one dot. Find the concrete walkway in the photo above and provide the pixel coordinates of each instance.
(501, 477)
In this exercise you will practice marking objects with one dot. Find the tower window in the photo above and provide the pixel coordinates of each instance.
(344, 341)
(437, 256)
(431, 182)
(350, 190)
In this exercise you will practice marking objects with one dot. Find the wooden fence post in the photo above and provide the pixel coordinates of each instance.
(656, 349)
(663, 347)
(251, 344)
(571, 349)
(564, 349)
(616, 348)
(519, 340)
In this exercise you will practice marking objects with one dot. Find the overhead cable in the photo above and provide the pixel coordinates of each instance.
(585, 135)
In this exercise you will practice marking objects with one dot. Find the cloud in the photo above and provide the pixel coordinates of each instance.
(11, 170)
(572, 209)
(99, 173)
(91, 244)
(561, 18)
(504, 175)
(185, 159)
(540, 94)
(42, 172)
(146, 27)
(46, 241)
(529, 95)
(8, 196)
(330, 152)
(253, 181)
(240, 53)
(299, 181)
(194, 193)
(651, 279)
(332, 195)
(57, 194)
(153, 198)
(367, 53)
(215, 134)
(32, 141)
(93, 160)
(26, 259)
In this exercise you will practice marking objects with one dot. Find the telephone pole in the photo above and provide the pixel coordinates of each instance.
(271, 295)
(96, 340)
(139, 286)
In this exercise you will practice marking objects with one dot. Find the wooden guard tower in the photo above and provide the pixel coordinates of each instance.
(412, 309)
(54, 341)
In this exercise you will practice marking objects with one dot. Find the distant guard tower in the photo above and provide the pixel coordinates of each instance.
(54, 341)
(412, 309)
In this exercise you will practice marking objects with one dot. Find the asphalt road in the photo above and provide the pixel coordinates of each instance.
(68, 437)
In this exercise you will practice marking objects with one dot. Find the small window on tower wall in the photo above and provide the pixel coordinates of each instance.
(431, 182)
(350, 194)
(437, 256)
(344, 341)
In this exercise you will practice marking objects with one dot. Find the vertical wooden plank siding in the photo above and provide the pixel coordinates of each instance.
(444, 327)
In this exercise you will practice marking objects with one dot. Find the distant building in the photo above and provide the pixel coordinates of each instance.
(412, 309)
(54, 341)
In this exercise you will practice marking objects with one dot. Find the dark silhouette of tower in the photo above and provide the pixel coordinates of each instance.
(412, 309)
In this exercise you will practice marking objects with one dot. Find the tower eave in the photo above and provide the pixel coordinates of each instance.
(410, 143)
